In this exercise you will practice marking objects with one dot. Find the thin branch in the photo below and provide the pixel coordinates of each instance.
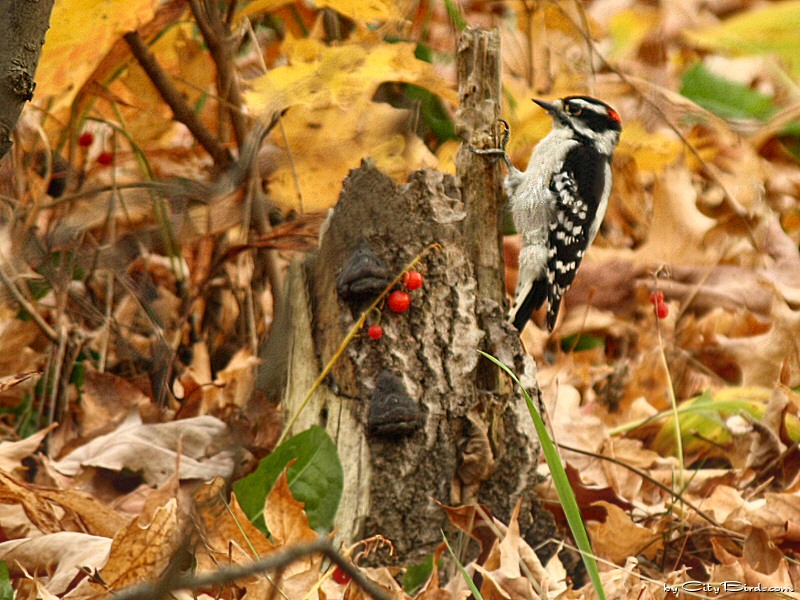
(217, 37)
(276, 560)
(181, 111)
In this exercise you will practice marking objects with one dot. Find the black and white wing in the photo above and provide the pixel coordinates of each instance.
(581, 202)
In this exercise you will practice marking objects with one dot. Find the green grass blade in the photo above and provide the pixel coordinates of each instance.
(472, 587)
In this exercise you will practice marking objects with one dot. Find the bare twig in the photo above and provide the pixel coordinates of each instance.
(218, 39)
(57, 363)
(277, 560)
(180, 109)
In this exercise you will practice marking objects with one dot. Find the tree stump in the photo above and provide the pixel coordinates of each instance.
(418, 414)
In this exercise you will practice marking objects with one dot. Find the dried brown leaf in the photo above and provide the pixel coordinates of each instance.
(12, 453)
(57, 556)
(286, 520)
(618, 537)
(152, 449)
(226, 532)
(139, 553)
(40, 512)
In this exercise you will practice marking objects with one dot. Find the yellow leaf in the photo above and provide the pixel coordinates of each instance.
(560, 17)
(653, 151)
(358, 10)
(81, 33)
(263, 6)
(446, 156)
(364, 10)
(629, 27)
(774, 29)
(321, 76)
(326, 143)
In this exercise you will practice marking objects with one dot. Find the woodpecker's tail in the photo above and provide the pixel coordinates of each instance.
(553, 304)
(526, 303)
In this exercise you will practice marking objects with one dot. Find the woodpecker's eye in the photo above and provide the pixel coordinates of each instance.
(574, 110)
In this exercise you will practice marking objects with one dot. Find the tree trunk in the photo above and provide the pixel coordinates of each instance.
(22, 27)
(418, 414)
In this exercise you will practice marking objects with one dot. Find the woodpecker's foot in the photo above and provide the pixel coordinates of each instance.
(501, 151)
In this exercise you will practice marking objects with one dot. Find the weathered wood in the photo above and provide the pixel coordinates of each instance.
(461, 436)
(479, 64)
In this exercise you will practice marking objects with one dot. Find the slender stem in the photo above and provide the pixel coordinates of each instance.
(218, 39)
(670, 393)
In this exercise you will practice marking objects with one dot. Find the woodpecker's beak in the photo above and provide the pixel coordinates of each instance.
(550, 107)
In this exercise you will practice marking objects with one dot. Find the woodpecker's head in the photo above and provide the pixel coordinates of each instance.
(586, 117)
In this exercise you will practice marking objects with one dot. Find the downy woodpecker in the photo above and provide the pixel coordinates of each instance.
(559, 201)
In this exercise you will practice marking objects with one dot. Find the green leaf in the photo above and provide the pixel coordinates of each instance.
(6, 591)
(773, 29)
(416, 576)
(433, 112)
(315, 478)
(454, 11)
(723, 97)
(580, 342)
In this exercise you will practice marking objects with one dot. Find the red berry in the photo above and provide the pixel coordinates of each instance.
(105, 158)
(86, 139)
(656, 297)
(341, 576)
(662, 310)
(399, 301)
(412, 280)
(375, 332)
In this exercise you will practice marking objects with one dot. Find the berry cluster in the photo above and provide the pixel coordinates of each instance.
(104, 158)
(661, 308)
(398, 301)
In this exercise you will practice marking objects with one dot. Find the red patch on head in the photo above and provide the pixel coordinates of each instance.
(614, 115)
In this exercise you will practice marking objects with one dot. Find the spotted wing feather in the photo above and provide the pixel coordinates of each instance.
(578, 190)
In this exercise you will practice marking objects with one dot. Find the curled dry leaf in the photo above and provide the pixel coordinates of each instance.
(106, 399)
(761, 358)
(285, 517)
(56, 557)
(153, 450)
(288, 524)
(12, 453)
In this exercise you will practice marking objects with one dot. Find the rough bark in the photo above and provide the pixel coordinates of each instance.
(418, 414)
(22, 27)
